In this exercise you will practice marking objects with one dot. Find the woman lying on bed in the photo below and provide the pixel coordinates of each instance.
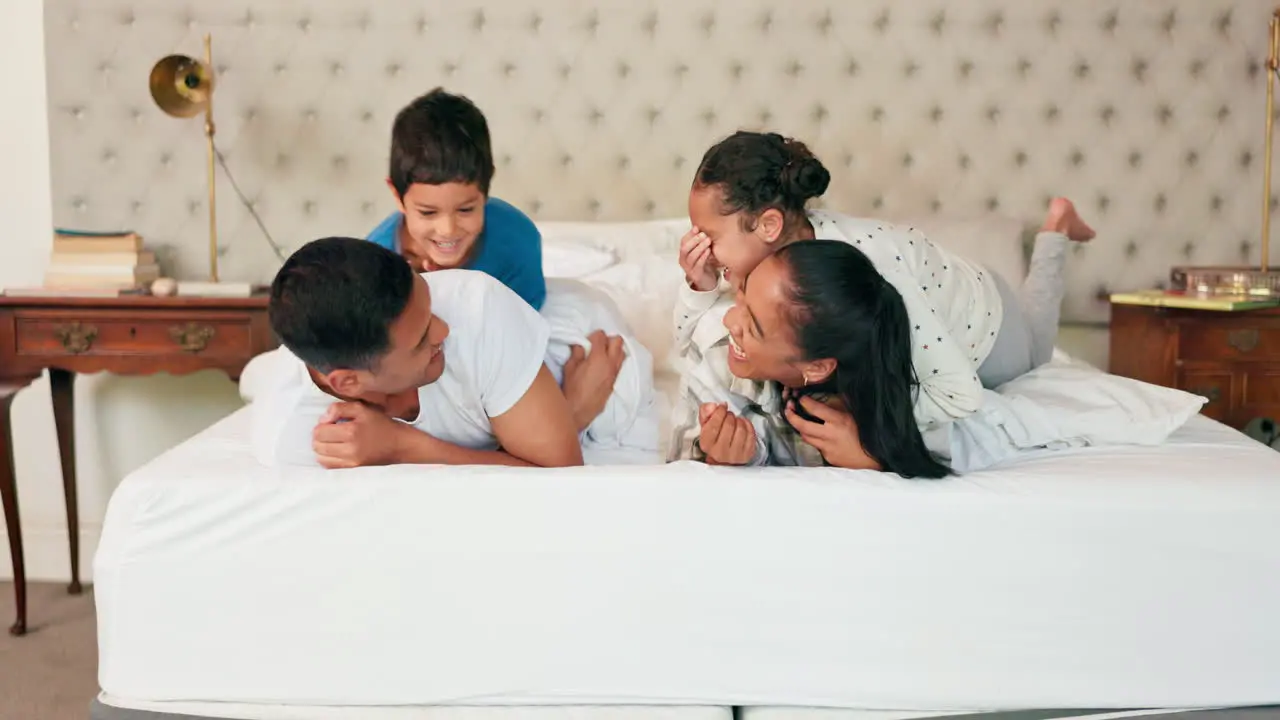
(819, 342)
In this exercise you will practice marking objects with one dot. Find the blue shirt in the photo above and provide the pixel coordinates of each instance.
(509, 248)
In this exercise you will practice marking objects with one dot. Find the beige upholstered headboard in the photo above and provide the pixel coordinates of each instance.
(1148, 112)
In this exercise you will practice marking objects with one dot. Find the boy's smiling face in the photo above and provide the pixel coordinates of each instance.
(441, 223)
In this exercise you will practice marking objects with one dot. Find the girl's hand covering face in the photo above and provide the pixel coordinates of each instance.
(699, 266)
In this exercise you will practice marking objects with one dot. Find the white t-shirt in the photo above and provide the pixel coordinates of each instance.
(496, 346)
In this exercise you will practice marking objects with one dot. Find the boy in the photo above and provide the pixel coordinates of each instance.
(441, 168)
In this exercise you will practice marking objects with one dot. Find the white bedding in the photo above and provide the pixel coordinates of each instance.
(1092, 577)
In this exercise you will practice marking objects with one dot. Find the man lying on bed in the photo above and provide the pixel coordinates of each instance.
(388, 366)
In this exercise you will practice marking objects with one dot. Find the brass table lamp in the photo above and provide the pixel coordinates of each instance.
(183, 88)
(1262, 280)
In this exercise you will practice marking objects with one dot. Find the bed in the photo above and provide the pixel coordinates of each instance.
(1132, 575)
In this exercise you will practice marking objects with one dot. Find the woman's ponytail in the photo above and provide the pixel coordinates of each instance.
(886, 419)
(845, 310)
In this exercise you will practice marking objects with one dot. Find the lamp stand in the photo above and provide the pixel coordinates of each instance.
(1261, 280)
(1273, 66)
(208, 134)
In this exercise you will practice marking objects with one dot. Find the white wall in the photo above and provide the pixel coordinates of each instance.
(121, 423)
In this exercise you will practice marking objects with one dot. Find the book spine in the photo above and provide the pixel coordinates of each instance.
(120, 259)
(97, 245)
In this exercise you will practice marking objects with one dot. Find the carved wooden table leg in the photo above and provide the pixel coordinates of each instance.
(62, 384)
(9, 496)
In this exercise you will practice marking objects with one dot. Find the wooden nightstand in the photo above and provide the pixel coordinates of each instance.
(1232, 358)
(131, 335)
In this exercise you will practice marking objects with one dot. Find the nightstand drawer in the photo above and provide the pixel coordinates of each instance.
(88, 335)
(1215, 385)
(1229, 341)
(1262, 388)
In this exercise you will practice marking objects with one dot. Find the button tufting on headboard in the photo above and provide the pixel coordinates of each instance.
(1148, 114)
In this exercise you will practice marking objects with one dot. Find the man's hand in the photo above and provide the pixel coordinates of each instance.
(836, 437)
(726, 439)
(352, 434)
(697, 262)
(588, 379)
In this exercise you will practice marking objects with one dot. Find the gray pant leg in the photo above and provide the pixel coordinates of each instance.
(1029, 329)
(1042, 292)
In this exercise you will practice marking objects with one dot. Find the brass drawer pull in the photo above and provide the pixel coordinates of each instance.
(76, 338)
(1243, 340)
(192, 337)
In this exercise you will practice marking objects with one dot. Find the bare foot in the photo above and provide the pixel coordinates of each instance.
(1063, 218)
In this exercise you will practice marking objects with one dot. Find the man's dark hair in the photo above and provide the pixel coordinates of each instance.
(334, 299)
(440, 138)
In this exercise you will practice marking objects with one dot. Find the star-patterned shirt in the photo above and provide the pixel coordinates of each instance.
(954, 309)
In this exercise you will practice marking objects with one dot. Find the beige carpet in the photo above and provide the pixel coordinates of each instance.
(51, 673)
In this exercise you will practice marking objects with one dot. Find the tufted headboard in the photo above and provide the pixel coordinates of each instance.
(1148, 112)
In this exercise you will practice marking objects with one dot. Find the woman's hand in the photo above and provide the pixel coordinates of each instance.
(726, 439)
(836, 437)
(696, 261)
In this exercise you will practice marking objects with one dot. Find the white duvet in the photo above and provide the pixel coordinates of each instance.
(627, 429)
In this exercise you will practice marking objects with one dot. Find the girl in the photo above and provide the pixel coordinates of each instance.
(818, 320)
(968, 328)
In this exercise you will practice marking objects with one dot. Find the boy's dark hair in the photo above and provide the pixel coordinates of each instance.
(440, 138)
(334, 299)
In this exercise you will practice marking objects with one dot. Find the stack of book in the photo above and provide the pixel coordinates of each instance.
(107, 262)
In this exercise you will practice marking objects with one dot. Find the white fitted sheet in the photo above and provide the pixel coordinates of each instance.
(1118, 577)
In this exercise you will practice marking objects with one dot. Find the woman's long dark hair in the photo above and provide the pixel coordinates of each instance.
(843, 308)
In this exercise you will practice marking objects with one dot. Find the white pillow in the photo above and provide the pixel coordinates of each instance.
(574, 259)
(627, 240)
(1062, 404)
(259, 373)
(1097, 408)
(643, 278)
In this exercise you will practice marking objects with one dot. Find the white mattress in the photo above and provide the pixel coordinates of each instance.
(1124, 577)
(245, 711)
